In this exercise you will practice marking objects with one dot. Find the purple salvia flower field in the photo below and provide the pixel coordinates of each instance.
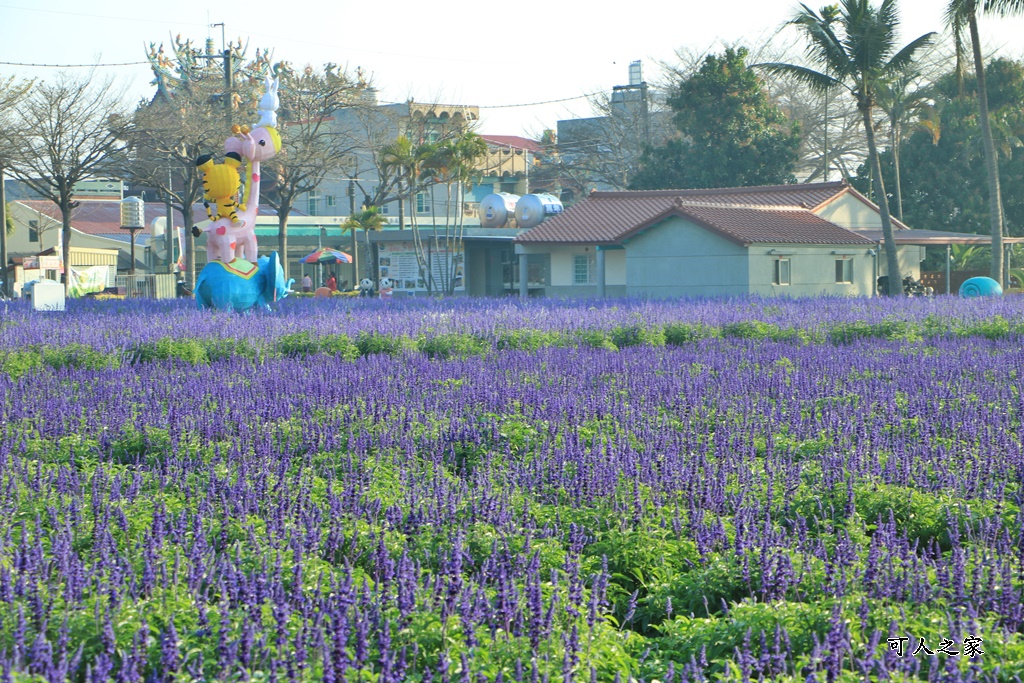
(485, 490)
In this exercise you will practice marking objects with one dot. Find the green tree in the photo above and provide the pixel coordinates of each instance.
(960, 15)
(367, 219)
(948, 138)
(731, 134)
(453, 163)
(855, 45)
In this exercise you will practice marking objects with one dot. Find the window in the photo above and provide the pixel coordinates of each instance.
(330, 200)
(313, 201)
(33, 231)
(385, 210)
(844, 271)
(422, 202)
(781, 276)
(583, 267)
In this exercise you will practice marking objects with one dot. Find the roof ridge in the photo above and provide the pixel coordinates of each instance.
(755, 207)
(792, 187)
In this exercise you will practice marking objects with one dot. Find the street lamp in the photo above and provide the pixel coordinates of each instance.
(133, 219)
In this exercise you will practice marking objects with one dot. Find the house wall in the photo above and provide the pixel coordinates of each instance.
(562, 271)
(812, 270)
(677, 258)
(849, 212)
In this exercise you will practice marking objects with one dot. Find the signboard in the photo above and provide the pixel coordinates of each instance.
(86, 280)
(398, 261)
(49, 262)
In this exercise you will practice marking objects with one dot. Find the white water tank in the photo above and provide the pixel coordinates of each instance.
(497, 209)
(532, 209)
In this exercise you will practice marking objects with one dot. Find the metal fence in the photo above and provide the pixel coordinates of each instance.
(160, 286)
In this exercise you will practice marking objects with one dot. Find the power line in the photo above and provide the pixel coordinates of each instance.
(73, 66)
(510, 106)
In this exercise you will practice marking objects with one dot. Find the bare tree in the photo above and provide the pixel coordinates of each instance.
(311, 150)
(71, 130)
(10, 93)
(605, 149)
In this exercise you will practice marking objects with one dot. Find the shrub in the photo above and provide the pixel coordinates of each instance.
(188, 350)
(453, 345)
(374, 342)
(598, 339)
(637, 335)
(680, 334)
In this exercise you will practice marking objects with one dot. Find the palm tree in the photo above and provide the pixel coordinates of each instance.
(407, 162)
(857, 57)
(366, 220)
(902, 104)
(961, 14)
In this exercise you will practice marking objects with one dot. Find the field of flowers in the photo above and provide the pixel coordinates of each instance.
(470, 491)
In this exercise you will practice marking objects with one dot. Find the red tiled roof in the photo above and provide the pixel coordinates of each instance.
(777, 213)
(514, 141)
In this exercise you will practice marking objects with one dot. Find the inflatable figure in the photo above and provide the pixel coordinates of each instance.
(241, 285)
(386, 287)
(366, 287)
(269, 103)
(220, 186)
(226, 239)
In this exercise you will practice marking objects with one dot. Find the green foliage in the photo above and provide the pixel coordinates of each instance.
(681, 334)
(956, 199)
(598, 339)
(527, 339)
(723, 635)
(732, 134)
(844, 333)
(188, 350)
(637, 335)
(17, 364)
(452, 345)
(758, 329)
(370, 343)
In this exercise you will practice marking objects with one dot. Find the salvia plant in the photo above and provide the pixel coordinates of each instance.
(484, 490)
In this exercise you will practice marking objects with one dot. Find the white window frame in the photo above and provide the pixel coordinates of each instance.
(782, 275)
(422, 202)
(584, 269)
(844, 271)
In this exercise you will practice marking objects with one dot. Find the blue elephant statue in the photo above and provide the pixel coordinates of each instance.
(241, 285)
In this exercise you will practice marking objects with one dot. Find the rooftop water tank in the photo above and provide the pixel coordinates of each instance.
(497, 209)
(532, 209)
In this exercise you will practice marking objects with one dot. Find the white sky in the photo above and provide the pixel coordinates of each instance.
(492, 55)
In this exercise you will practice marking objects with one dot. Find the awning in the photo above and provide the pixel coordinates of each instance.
(930, 238)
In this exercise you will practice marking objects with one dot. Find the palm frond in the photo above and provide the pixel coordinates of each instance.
(809, 77)
(902, 60)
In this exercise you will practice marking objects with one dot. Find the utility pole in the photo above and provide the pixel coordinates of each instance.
(355, 242)
(225, 55)
(6, 289)
(169, 223)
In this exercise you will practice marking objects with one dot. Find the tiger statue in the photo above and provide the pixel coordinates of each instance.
(220, 186)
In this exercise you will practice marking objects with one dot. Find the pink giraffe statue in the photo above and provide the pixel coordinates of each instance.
(224, 241)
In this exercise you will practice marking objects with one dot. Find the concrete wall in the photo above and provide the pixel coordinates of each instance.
(812, 270)
(851, 213)
(677, 258)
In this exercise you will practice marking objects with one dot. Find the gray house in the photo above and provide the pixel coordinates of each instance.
(784, 240)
